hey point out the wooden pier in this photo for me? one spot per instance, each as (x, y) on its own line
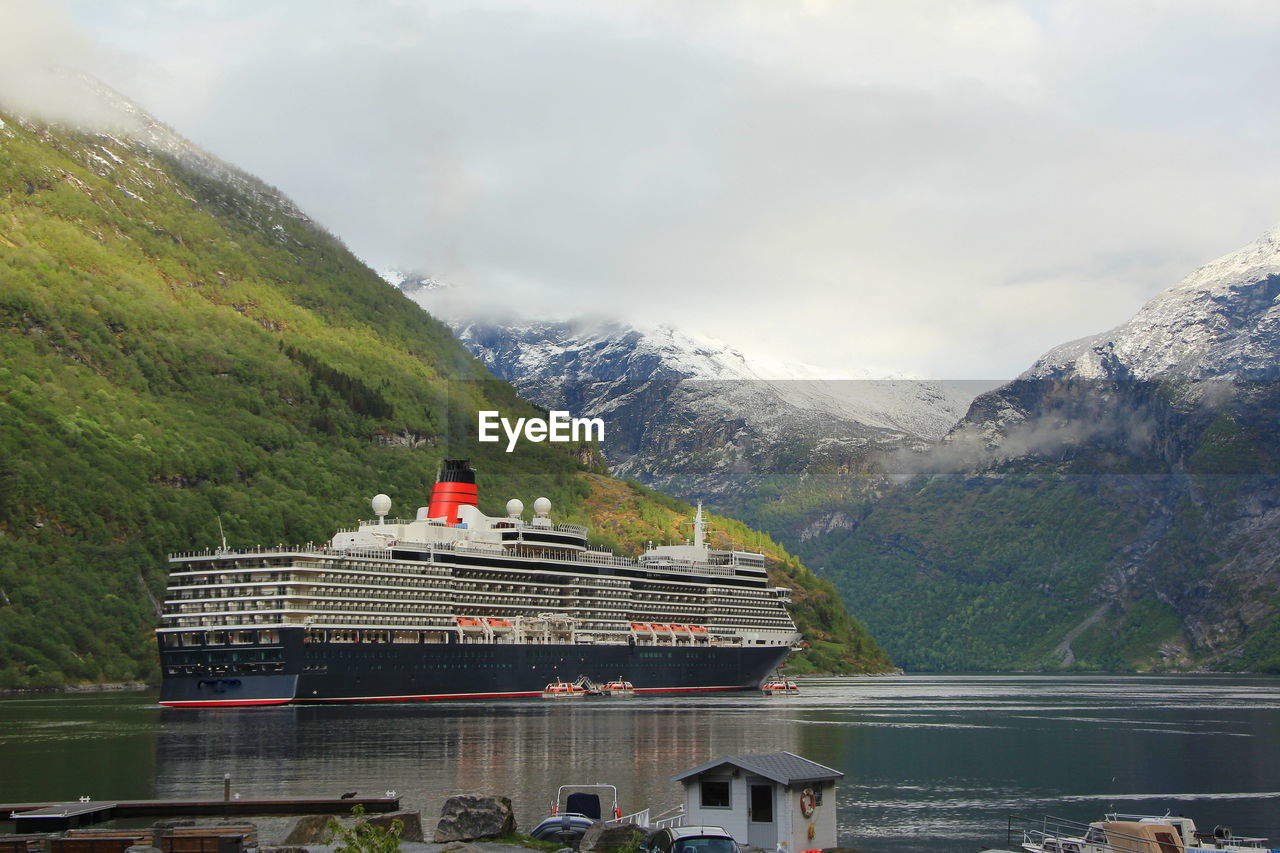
(58, 817)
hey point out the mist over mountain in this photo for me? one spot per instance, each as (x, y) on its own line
(697, 418)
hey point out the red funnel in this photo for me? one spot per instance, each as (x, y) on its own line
(455, 488)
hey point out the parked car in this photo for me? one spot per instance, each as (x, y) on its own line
(691, 839)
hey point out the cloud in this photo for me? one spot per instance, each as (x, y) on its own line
(939, 188)
(41, 51)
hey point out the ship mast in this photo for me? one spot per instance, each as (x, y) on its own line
(699, 528)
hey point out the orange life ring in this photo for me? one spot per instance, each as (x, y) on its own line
(617, 813)
(808, 802)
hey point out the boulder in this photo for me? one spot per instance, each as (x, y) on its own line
(412, 823)
(468, 817)
(308, 829)
(461, 847)
(606, 838)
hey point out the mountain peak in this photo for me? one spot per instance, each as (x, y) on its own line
(1221, 321)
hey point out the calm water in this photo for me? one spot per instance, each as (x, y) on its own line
(932, 762)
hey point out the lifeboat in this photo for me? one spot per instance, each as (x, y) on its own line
(563, 690)
(618, 687)
(779, 686)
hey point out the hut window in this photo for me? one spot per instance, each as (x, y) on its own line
(715, 793)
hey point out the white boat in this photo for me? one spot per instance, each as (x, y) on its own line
(1126, 833)
(1220, 839)
(582, 806)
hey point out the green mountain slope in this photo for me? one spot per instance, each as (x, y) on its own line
(180, 345)
(1150, 546)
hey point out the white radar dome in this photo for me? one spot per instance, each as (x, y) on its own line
(515, 506)
(542, 506)
(381, 505)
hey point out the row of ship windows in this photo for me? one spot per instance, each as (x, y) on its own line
(219, 638)
(507, 610)
(236, 640)
(339, 593)
(538, 577)
(424, 578)
(601, 627)
(669, 614)
(595, 619)
(237, 586)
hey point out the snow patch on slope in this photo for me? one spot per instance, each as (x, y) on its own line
(1221, 321)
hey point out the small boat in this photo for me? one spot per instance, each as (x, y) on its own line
(618, 687)
(582, 807)
(1221, 839)
(1126, 833)
(779, 686)
(563, 690)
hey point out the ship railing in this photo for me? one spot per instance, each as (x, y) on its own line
(676, 565)
(249, 552)
(666, 564)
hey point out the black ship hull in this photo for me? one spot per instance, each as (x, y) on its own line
(298, 672)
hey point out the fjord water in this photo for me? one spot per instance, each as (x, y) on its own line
(933, 762)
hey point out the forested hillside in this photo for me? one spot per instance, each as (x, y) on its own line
(181, 346)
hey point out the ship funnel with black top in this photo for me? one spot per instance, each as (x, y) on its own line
(455, 487)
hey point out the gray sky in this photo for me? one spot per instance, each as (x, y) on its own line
(944, 189)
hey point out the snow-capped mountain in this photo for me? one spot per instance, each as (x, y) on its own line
(1222, 321)
(694, 416)
(1211, 337)
(586, 351)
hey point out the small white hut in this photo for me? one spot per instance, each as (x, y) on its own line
(777, 800)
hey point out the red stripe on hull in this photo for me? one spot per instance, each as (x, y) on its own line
(233, 703)
(226, 703)
(425, 697)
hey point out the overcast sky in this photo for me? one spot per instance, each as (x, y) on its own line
(936, 188)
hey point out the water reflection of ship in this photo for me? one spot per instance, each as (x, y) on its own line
(428, 753)
(634, 745)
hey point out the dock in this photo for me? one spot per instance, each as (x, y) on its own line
(58, 817)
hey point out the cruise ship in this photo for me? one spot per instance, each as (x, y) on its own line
(454, 604)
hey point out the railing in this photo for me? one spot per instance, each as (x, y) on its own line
(673, 817)
(527, 551)
(644, 819)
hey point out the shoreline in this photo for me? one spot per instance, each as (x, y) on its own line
(103, 687)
